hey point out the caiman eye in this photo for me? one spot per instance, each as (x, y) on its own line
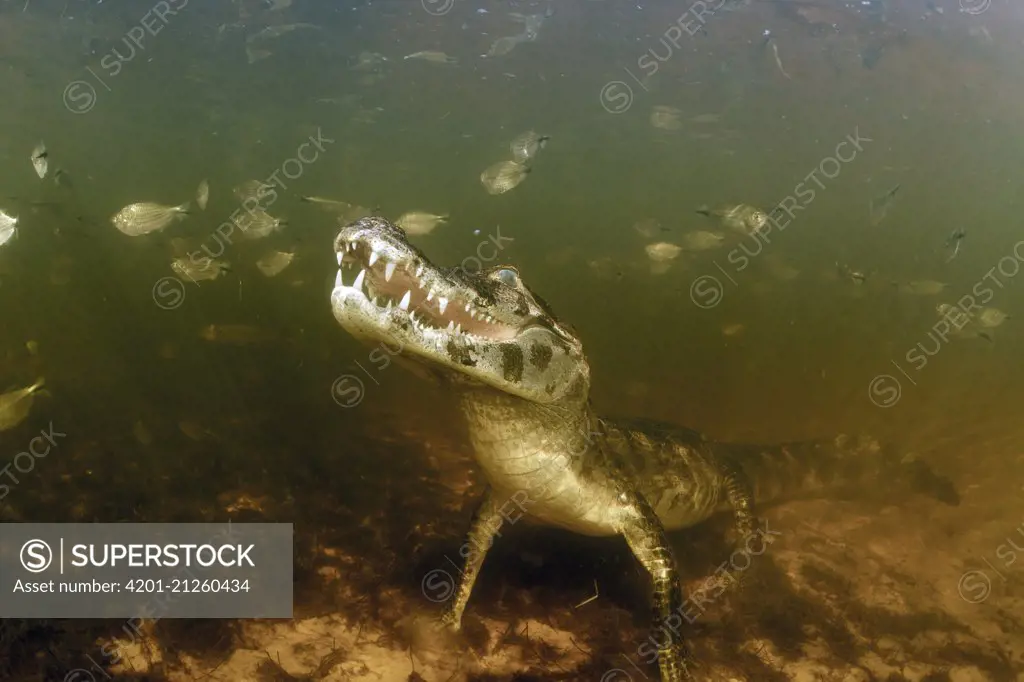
(507, 276)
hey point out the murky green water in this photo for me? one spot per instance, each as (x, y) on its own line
(165, 425)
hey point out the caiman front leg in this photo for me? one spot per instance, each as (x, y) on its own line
(646, 538)
(482, 530)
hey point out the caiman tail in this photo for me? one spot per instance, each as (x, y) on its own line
(857, 465)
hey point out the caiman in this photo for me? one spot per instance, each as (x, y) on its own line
(523, 383)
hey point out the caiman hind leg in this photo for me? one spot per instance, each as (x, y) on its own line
(482, 531)
(740, 494)
(646, 538)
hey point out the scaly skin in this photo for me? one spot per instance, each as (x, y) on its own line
(523, 384)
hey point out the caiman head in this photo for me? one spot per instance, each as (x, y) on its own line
(478, 328)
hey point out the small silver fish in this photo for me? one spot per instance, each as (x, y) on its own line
(419, 222)
(277, 31)
(432, 56)
(345, 211)
(739, 217)
(15, 405)
(955, 238)
(203, 195)
(368, 61)
(503, 46)
(855, 276)
(39, 160)
(666, 118)
(138, 219)
(921, 287)
(254, 55)
(662, 254)
(274, 262)
(8, 227)
(701, 240)
(991, 318)
(525, 147)
(328, 204)
(503, 176)
(649, 227)
(879, 207)
(254, 189)
(258, 224)
(205, 269)
(963, 325)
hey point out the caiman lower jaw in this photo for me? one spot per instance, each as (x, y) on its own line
(402, 288)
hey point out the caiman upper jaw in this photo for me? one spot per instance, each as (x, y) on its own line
(483, 327)
(379, 269)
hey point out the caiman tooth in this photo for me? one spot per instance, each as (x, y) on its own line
(430, 295)
(468, 306)
(341, 258)
(451, 326)
(404, 303)
(458, 328)
(358, 284)
(373, 258)
(338, 282)
(389, 270)
(419, 270)
(442, 303)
